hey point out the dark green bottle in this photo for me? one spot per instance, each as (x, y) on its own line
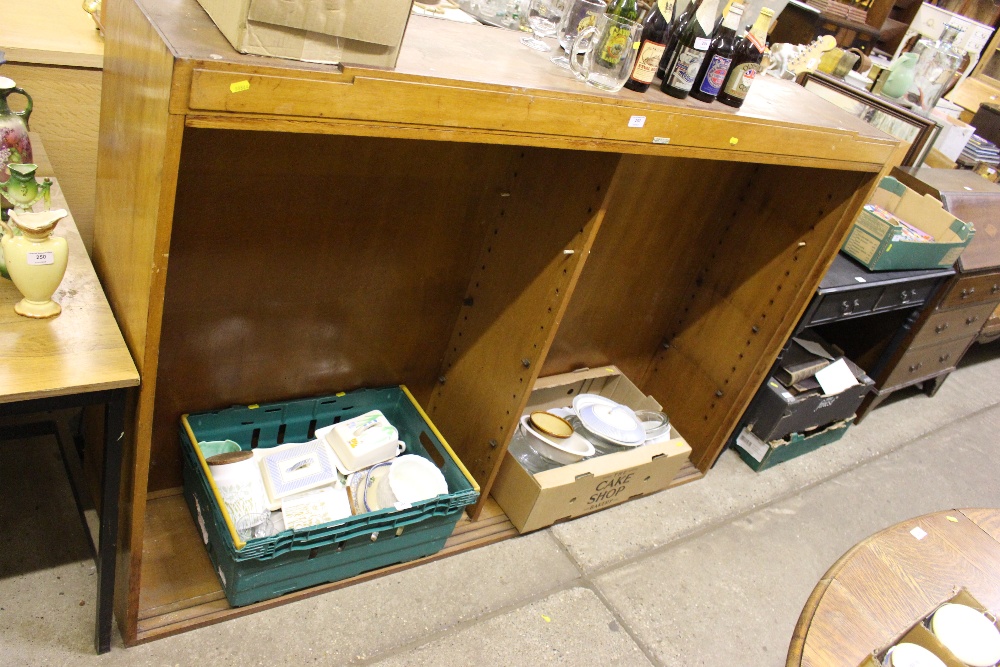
(691, 49)
(673, 35)
(616, 42)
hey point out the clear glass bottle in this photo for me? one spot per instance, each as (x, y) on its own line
(937, 61)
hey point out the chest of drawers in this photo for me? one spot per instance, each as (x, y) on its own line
(956, 316)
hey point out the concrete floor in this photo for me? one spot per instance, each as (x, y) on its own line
(712, 573)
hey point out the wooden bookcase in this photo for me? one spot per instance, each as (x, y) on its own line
(462, 224)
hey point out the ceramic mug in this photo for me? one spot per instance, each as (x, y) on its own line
(238, 479)
(610, 51)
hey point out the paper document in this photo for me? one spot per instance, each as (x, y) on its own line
(814, 348)
(835, 378)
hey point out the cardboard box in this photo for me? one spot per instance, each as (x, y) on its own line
(536, 501)
(919, 634)
(761, 455)
(953, 137)
(870, 240)
(778, 411)
(361, 32)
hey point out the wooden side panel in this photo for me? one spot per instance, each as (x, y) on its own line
(306, 265)
(539, 228)
(67, 114)
(136, 170)
(770, 254)
(651, 245)
(698, 276)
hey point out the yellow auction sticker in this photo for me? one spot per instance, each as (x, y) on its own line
(239, 86)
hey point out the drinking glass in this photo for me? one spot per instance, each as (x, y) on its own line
(543, 18)
(608, 58)
(579, 15)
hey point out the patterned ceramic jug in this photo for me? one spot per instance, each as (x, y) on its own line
(14, 143)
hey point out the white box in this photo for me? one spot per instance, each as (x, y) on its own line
(953, 137)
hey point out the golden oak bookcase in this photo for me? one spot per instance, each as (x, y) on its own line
(462, 224)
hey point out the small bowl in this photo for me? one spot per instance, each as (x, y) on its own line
(210, 448)
(657, 424)
(566, 450)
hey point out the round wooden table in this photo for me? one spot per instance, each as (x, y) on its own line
(889, 581)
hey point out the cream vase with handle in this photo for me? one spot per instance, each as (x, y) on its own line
(36, 260)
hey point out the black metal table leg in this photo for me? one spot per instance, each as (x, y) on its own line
(114, 436)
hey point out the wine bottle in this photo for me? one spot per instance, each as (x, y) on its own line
(673, 34)
(715, 65)
(725, 12)
(616, 41)
(627, 9)
(691, 49)
(746, 61)
(651, 45)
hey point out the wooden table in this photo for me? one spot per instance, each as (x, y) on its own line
(889, 581)
(78, 358)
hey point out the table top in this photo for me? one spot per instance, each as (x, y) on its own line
(81, 350)
(484, 57)
(891, 580)
(847, 274)
(50, 32)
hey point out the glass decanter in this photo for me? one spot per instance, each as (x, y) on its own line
(937, 62)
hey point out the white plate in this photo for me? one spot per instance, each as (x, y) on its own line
(413, 478)
(617, 423)
(583, 400)
(968, 634)
(911, 655)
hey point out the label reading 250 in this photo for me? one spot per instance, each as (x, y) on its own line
(40, 258)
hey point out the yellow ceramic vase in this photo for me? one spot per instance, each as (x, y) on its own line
(35, 260)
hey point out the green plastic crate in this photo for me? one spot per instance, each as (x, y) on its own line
(761, 456)
(264, 568)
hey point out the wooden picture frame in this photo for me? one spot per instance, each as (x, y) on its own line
(916, 130)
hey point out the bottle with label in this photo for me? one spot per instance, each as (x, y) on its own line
(715, 65)
(655, 29)
(616, 41)
(724, 14)
(746, 61)
(676, 29)
(692, 47)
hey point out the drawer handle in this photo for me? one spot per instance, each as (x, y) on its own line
(996, 288)
(945, 358)
(848, 308)
(904, 296)
(970, 320)
(966, 293)
(941, 327)
(916, 367)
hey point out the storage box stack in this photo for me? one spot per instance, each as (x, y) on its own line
(809, 402)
